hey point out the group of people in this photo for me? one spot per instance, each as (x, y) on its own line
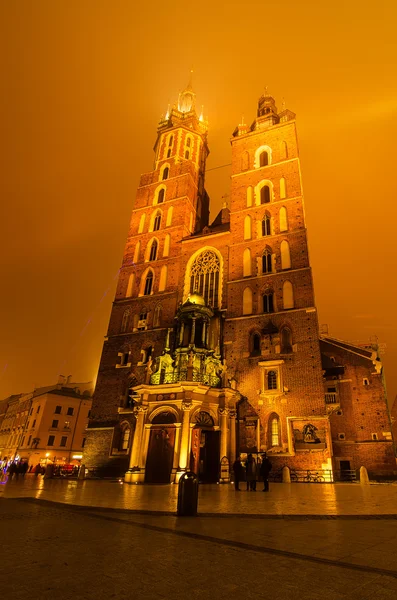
(249, 473)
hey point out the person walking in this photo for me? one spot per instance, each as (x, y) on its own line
(250, 471)
(238, 470)
(37, 470)
(265, 469)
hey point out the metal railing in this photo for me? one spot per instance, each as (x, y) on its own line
(331, 398)
(164, 377)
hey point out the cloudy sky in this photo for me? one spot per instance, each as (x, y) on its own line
(84, 84)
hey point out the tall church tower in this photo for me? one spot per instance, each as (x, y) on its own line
(271, 331)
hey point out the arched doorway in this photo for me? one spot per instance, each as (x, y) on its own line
(161, 448)
(204, 457)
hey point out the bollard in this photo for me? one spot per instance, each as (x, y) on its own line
(286, 475)
(187, 495)
(364, 479)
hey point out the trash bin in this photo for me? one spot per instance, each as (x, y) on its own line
(187, 495)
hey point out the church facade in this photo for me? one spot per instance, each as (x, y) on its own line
(213, 347)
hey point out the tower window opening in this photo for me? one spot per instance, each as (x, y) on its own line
(267, 261)
(204, 277)
(125, 438)
(266, 225)
(256, 344)
(157, 222)
(148, 284)
(171, 141)
(263, 159)
(168, 152)
(272, 381)
(166, 173)
(153, 250)
(142, 323)
(187, 154)
(265, 194)
(286, 341)
(268, 302)
(160, 197)
(188, 142)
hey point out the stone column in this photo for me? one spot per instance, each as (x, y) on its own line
(133, 472)
(177, 444)
(232, 453)
(193, 333)
(203, 334)
(183, 454)
(223, 413)
(181, 332)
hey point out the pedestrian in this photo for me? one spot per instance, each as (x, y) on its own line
(24, 468)
(250, 471)
(12, 470)
(265, 469)
(238, 470)
(37, 469)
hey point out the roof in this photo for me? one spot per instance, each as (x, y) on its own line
(63, 391)
(365, 352)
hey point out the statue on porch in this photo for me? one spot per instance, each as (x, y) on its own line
(309, 434)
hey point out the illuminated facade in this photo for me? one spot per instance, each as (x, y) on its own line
(213, 345)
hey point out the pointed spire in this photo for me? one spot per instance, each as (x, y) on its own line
(186, 98)
(167, 114)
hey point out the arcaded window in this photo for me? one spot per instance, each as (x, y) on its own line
(268, 302)
(272, 380)
(265, 194)
(153, 250)
(267, 261)
(263, 159)
(148, 284)
(266, 224)
(204, 277)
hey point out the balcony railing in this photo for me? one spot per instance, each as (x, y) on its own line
(163, 377)
(331, 398)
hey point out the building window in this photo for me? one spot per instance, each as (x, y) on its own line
(160, 197)
(247, 263)
(266, 225)
(125, 438)
(83, 443)
(58, 410)
(256, 344)
(285, 255)
(263, 159)
(275, 431)
(265, 194)
(268, 302)
(67, 425)
(204, 277)
(283, 221)
(63, 441)
(148, 284)
(29, 440)
(267, 261)
(51, 439)
(34, 423)
(247, 227)
(31, 412)
(168, 152)
(70, 411)
(247, 301)
(157, 222)
(171, 141)
(157, 316)
(286, 340)
(125, 358)
(153, 250)
(38, 410)
(166, 173)
(365, 381)
(288, 295)
(55, 424)
(142, 322)
(125, 322)
(374, 436)
(272, 380)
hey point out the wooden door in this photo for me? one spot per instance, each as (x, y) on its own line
(160, 455)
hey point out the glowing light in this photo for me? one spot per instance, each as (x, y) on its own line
(77, 456)
(47, 454)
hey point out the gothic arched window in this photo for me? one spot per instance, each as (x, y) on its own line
(166, 173)
(125, 438)
(160, 197)
(265, 194)
(256, 344)
(268, 302)
(204, 277)
(267, 261)
(263, 159)
(266, 224)
(153, 250)
(148, 284)
(275, 432)
(286, 340)
(157, 222)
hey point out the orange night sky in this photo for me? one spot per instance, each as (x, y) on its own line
(83, 87)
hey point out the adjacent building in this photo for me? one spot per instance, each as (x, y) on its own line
(47, 425)
(213, 346)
